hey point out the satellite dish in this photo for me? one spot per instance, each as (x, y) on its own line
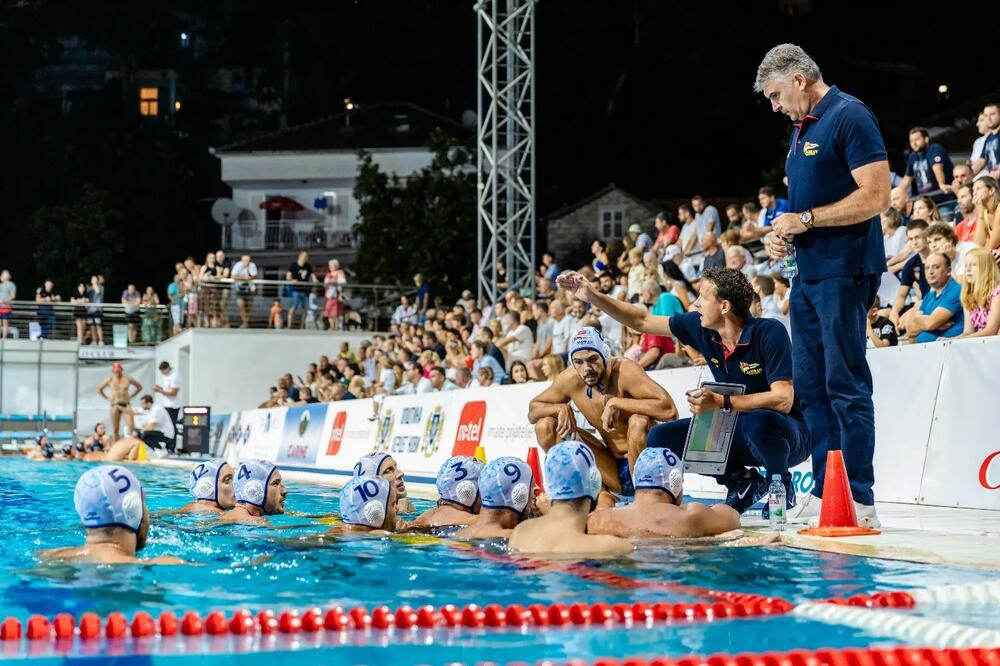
(225, 211)
(469, 118)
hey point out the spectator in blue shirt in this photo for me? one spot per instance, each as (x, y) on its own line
(481, 359)
(549, 269)
(706, 216)
(771, 206)
(423, 302)
(838, 183)
(928, 167)
(912, 275)
(940, 312)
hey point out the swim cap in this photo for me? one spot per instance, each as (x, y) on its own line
(571, 472)
(590, 338)
(203, 484)
(250, 484)
(48, 450)
(80, 447)
(370, 464)
(116, 367)
(457, 480)
(659, 469)
(67, 449)
(109, 496)
(364, 500)
(505, 483)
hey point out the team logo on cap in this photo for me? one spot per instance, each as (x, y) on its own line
(432, 432)
(383, 435)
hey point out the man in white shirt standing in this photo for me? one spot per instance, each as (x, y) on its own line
(243, 273)
(518, 343)
(562, 329)
(157, 428)
(170, 390)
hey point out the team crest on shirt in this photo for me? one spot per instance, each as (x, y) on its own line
(715, 361)
(810, 149)
(750, 368)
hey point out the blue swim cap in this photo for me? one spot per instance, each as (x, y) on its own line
(571, 472)
(370, 464)
(109, 496)
(659, 469)
(589, 338)
(505, 483)
(252, 478)
(364, 500)
(203, 484)
(458, 480)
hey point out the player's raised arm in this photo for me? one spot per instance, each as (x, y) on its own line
(632, 316)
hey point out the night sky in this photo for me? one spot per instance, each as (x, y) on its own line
(655, 96)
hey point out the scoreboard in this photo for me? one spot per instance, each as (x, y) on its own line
(195, 426)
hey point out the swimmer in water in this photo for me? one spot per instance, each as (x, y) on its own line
(617, 398)
(126, 448)
(458, 486)
(112, 506)
(43, 451)
(384, 465)
(573, 481)
(211, 485)
(367, 504)
(507, 488)
(259, 492)
(657, 509)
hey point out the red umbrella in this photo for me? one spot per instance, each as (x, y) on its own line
(280, 203)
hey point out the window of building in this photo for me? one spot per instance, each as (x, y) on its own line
(612, 221)
(149, 104)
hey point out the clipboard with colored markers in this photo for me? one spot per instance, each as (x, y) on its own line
(710, 436)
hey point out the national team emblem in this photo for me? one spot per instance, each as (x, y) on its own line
(810, 149)
(750, 368)
(384, 433)
(432, 432)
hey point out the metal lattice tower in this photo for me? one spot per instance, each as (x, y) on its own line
(506, 143)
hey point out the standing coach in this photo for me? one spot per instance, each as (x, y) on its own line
(838, 183)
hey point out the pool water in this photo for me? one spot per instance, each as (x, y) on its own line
(288, 566)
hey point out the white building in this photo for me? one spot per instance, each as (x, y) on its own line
(293, 189)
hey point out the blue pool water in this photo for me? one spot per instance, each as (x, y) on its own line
(288, 567)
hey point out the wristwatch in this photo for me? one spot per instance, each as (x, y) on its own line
(727, 403)
(806, 219)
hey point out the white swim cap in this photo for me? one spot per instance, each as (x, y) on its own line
(252, 478)
(203, 483)
(505, 483)
(364, 500)
(370, 464)
(109, 496)
(658, 468)
(571, 472)
(458, 480)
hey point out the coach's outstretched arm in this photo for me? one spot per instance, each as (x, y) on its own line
(633, 316)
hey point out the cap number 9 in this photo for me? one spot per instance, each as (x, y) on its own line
(511, 470)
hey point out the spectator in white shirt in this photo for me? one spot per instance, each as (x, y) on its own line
(770, 306)
(243, 273)
(405, 312)
(169, 391)
(439, 381)
(976, 159)
(414, 381)
(518, 342)
(562, 328)
(737, 260)
(158, 428)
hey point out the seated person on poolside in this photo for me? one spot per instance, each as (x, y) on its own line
(740, 349)
(259, 492)
(384, 465)
(211, 485)
(112, 507)
(126, 448)
(657, 509)
(44, 450)
(458, 486)
(507, 488)
(367, 504)
(573, 481)
(98, 441)
(615, 395)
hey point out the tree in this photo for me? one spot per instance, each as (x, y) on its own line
(79, 238)
(426, 225)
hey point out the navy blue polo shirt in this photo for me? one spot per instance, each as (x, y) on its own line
(838, 136)
(762, 356)
(913, 274)
(991, 150)
(919, 167)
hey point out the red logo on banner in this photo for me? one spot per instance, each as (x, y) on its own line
(470, 428)
(337, 434)
(985, 468)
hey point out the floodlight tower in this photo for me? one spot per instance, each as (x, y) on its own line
(506, 143)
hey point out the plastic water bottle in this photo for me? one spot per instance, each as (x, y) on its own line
(776, 503)
(789, 266)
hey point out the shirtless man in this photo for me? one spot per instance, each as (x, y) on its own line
(112, 508)
(507, 487)
(367, 504)
(259, 492)
(384, 465)
(615, 395)
(573, 481)
(126, 448)
(458, 486)
(211, 485)
(657, 510)
(98, 441)
(120, 398)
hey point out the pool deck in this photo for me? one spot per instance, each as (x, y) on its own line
(911, 532)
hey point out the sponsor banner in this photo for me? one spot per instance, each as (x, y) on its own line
(963, 466)
(348, 434)
(218, 435)
(254, 434)
(414, 429)
(302, 434)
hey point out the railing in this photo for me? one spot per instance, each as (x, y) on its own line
(88, 323)
(312, 234)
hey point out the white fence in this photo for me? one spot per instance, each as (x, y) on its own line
(936, 440)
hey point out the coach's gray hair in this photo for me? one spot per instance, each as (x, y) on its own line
(782, 62)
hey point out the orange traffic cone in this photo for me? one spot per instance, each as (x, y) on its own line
(837, 517)
(536, 467)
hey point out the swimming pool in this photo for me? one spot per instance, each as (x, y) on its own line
(288, 567)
